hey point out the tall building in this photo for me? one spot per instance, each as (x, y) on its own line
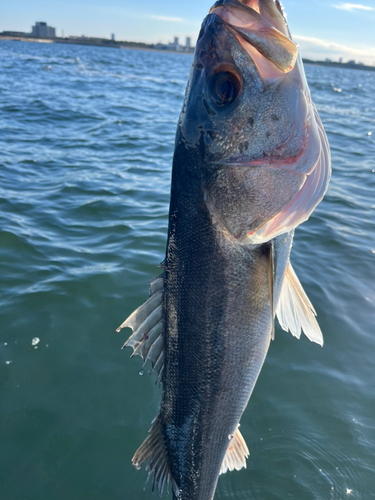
(175, 41)
(42, 30)
(113, 37)
(188, 42)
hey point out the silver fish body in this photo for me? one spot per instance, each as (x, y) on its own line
(219, 323)
(251, 162)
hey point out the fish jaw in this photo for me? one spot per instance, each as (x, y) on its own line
(258, 32)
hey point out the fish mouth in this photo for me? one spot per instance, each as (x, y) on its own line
(262, 31)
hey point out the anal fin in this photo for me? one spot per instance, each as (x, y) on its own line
(295, 311)
(236, 455)
(153, 449)
(147, 325)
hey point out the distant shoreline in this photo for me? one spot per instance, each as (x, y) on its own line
(332, 64)
(95, 42)
(103, 42)
(163, 51)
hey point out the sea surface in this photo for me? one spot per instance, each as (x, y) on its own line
(86, 144)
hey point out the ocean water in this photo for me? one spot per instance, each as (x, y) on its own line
(86, 143)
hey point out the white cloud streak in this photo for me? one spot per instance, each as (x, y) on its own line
(171, 19)
(352, 6)
(332, 45)
(316, 46)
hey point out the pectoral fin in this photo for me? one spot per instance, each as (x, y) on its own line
(295, 311)
(236, 455)
(147, 325)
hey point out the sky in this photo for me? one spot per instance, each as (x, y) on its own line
(322, 28)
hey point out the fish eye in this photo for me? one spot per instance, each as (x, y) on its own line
(224, 88)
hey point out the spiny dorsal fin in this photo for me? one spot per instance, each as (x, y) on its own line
(153, 448)
(236, 455)
(295, 311)
(147, 325)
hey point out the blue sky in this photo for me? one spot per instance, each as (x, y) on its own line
(322, 28)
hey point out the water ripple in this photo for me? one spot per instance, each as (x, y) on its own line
(86, 148)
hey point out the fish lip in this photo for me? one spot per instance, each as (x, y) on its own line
(238, 4)
(232, 3)
(273, 160)
(261, 35)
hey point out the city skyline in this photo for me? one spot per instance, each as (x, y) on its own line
(322, 30)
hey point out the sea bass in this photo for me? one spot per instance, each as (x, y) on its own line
(251, 162)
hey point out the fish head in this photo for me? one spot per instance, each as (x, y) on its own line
(249, 109)
(242, 104)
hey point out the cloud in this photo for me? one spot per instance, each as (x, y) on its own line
(352, 6)
(317, 48)
(171, 19)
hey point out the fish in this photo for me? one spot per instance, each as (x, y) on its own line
(251, 162)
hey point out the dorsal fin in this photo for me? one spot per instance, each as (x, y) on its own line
(147, 325)
(153, 448)
(236, 455)
(295, 311)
